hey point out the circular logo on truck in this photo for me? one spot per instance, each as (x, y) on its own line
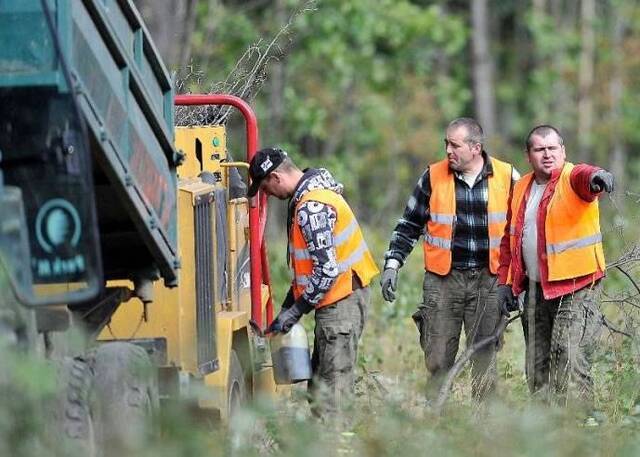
(57, 225)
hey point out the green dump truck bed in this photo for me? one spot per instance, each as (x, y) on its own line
(125, 97)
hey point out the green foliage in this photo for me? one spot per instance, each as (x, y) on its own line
(368, 86)
(26, 384)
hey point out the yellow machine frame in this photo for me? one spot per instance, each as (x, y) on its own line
(172, 314)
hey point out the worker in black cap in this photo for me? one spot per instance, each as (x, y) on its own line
(332, 268)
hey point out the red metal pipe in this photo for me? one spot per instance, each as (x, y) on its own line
(266, 276)
(256, 239)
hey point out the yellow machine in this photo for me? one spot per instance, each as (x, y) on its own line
(199, 333)
(98, 187)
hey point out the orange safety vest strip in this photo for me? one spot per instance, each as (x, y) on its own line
(438, 239)
(352, 253)
(572, 230)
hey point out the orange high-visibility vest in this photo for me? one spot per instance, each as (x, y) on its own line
(352, 253)
(438, 239)
(572, 230)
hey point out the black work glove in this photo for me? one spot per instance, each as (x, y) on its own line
(287, 317)
(601, 180)
(389, 282)
(506, 300)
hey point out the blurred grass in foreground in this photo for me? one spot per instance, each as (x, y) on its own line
(388, 417)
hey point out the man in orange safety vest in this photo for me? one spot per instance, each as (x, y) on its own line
(460, 206)
(332, 268)
(552, 250)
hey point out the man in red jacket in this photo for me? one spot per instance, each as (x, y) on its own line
(552, 250)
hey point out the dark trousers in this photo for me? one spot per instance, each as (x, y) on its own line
(463, 297)
(335, 351)
(560, 335)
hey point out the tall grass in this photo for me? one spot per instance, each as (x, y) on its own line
(388, 416)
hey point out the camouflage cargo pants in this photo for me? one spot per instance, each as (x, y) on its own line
(335, 350)
(463, 297)
(560, 336)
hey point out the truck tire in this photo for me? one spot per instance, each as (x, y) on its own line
(237, 390)
(72, 426)
(125, 398)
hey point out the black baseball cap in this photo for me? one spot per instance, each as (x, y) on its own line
(264, 162)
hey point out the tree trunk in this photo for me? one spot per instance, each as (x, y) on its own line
(619, 154)
(211, 25)
(274, 134)
(171, 24)
(483, 68)
(189, 25)
(539, 7)
(277, 83)
(585, 82)
(563, 104)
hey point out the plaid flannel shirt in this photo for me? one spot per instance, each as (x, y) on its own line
(470, 247)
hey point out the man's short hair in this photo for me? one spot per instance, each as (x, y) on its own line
(475, 134)
(287, 165)
(543, 130)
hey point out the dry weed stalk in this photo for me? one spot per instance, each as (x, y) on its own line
(245, 80)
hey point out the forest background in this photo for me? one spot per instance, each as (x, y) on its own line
(365, 88)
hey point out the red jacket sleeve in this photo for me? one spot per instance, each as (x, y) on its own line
(580, 181)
